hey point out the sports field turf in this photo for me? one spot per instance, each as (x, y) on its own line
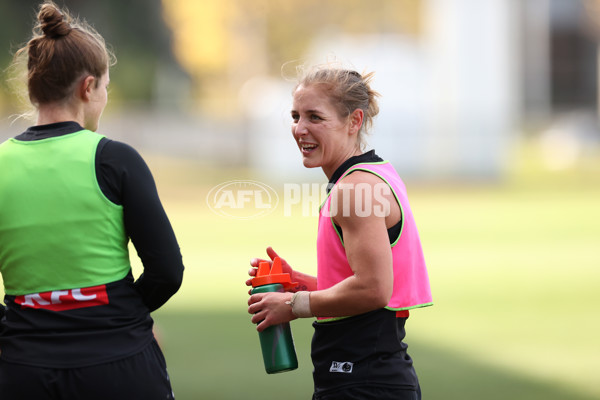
(515, 271)
(514, 267)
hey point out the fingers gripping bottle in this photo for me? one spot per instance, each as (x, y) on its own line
(276, 342)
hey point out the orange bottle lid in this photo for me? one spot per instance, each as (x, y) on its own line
(273, 273)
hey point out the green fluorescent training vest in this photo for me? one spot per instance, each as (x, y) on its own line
(57, 230)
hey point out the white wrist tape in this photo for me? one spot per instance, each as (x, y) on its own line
(301, 305)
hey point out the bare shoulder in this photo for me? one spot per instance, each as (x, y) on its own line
(363, 197)
(360, 176)
(361, 185)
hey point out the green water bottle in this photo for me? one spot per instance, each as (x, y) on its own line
(276, 341)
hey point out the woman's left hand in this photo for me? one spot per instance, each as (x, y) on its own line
(270, 309)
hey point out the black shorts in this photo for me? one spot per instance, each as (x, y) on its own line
(363, 357)
(369, 392)
(142, 376)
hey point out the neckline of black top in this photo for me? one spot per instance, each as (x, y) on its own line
(39, 132)
(367, 157)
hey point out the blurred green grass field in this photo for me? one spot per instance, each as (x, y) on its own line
(514, 267)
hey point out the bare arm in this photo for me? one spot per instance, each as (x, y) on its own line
(367, 249)
(271, 308)
(364, 223)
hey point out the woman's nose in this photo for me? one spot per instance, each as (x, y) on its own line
(300, 128)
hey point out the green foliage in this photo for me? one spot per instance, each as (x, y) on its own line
(216, 355)
(514, 269)
(134, 30)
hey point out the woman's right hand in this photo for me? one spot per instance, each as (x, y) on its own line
(272, 254)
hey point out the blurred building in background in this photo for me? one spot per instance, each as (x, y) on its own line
(477, 76)
(559, 75)
(449, 105)
(461, 80)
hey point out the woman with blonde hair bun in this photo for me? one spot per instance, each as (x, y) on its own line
(76, 324)
(370, 266)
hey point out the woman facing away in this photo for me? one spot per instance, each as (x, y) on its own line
(76, 324)
(370, 265)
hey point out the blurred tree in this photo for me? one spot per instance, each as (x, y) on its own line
(219, 43)
(134, 29)
(293, 24)
(222, 43)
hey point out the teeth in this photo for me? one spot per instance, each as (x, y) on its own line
(308, 146)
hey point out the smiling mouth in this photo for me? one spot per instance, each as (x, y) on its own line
(308, 147)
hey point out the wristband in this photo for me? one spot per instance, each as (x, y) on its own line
(301, 305)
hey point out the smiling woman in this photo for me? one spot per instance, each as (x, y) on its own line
(370, 265)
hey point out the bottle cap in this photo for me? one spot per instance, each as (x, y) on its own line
(269, 274)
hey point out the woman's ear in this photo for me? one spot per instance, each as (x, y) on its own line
(85, 87)
(356, 120)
